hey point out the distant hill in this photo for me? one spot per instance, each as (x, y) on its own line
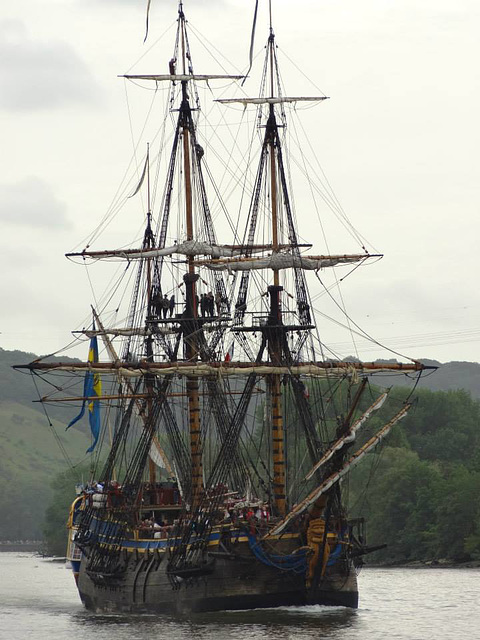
(453, 375)
(23, 388)
(30, 456)
(31, 451)
(449, 376)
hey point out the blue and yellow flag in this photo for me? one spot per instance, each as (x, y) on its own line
(92, 387)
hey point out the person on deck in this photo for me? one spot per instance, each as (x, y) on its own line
(203, 304)
(218, 303)
(157, 303)
(171, 305)
(210, 304)
(165, 305)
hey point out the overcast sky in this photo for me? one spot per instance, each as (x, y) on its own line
(398, 139)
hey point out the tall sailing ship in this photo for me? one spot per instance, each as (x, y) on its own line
(221, 429)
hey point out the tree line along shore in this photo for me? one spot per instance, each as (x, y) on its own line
(419, 491)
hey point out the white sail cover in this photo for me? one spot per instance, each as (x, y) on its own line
(279, 261)
(156, 456)
(238, 368)
(201, 369)
(132, 331)
(277, 100)
(180, 77)
(187, 248)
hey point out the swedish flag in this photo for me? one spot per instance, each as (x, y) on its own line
(92, 389)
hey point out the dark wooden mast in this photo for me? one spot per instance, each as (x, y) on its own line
(190, 280)
(275, 317)
(149, 379)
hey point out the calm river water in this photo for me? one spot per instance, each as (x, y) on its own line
(38, 600)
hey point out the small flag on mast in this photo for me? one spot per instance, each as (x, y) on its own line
(92, 392)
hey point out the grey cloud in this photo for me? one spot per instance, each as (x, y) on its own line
(142, 4)
(133, 3)
(31, 202)
(38, 75)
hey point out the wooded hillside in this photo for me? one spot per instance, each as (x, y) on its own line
(422, 493)
(32, 452)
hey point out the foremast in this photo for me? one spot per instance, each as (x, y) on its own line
(186, 329)
(148, 243)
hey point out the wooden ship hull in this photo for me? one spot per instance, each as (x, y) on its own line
(146, 589)
(239, 567)
(232, 580)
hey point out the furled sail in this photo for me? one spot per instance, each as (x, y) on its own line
(335, 477)
(130, 331)
(180, 77)
(187, 248)
(349, 436)
(277, 100)
(279, 261)
(157, 455)
(220, 369)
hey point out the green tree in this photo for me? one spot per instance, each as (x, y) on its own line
(56, 515)
(458, 514)
(400, 505)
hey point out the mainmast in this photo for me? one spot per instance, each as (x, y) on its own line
(190, 279)
(275, 316)
(164, 335)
